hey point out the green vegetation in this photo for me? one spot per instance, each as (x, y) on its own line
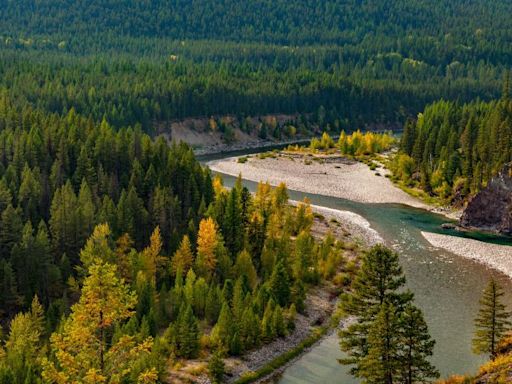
(492, 322)
(366, 63)
(389, 340)
(120, 252)
(357, 144)
(453, 150)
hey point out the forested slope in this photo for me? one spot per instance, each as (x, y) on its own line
(346, 63)
(454, 149)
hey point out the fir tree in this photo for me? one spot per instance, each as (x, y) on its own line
(378, 281)
(381, 364)
(280, 284)
(492, 321)
(216, 368)
(416, 346)
(183, 257)
(187, 333)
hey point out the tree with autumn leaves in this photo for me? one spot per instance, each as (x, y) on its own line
(81, 350)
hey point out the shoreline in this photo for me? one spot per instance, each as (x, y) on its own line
(256, 145)
(343, 179)
(316, 325)
(372, 189)
(494, 256)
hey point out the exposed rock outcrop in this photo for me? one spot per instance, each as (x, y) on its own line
(491, 208)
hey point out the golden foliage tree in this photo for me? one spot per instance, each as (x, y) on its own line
(183, 257)
(152, 261)
(207, 241)
(80, 348)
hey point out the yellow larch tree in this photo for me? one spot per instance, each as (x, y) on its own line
(183, 258)
(81, 346)
(207, 241)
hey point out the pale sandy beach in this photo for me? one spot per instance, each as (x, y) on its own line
(498, 257)
(348, 180)
(353, 223)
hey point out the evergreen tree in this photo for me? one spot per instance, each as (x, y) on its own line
(378, 282)
(207, 241)
(213, 303)
(224, 329)
(80, 346)
(280, 284)
(183, 257)
(381, 364)
(233, 230)
(416, 346)
(187, 333)
(216, 368)
(244, 268)
(492, 321)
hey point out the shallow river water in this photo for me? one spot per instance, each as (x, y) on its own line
(446, 287)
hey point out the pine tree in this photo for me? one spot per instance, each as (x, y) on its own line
(64, 222)
(224, 329)
(381, 364)
(183, 257)
(280, 284)
(244, 268)
(278, 324)
(187, 333)
(216, 368)
(233, 230)
(80, 347)
(200, 297)
(378, 281)
(416, 346)
(86, 212)
(11, 227)
(207, 241)
(213, 303)
(153, 262)
(267, 331)
(250, 329)
(492, 321)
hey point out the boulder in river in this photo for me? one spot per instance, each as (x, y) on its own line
(491, 208)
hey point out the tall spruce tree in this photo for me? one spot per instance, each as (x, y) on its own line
(416, 346)
(377, 282)
(492, 321)
(389, 341)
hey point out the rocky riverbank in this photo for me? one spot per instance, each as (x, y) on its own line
(498, 257)
(334, 176)
(491, 208)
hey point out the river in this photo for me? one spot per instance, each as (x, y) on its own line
(446, 287)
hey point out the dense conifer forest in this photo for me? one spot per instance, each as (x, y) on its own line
(120, 253)
(366, 62)
(452, 150)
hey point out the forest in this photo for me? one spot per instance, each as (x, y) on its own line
(367, 63)
(452, 150)
(122, 258)
(120, 252)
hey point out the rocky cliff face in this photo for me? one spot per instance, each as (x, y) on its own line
(491, 209)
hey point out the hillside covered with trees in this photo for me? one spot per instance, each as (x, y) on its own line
(119, 252)
(453, 150)
(365, 63)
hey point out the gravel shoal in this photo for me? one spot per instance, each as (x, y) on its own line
(349, 180)
(498, 257)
